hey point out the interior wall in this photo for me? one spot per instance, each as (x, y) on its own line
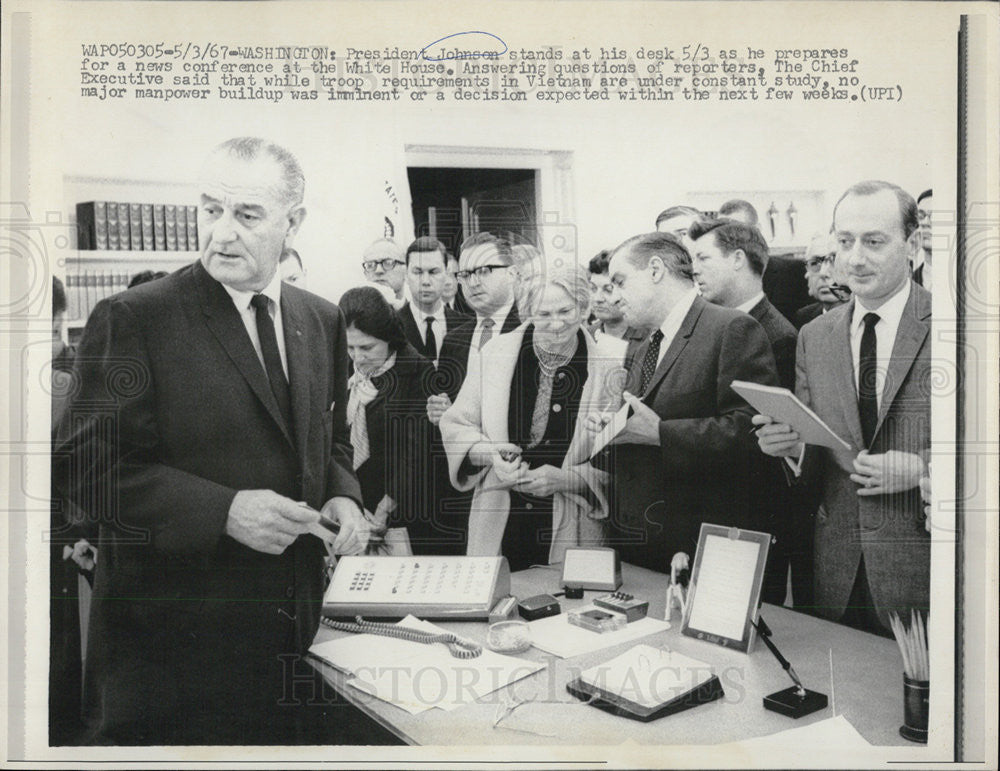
(628, 164)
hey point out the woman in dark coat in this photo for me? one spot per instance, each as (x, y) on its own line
(387, 414)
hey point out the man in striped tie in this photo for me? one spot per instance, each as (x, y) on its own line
(684, 455)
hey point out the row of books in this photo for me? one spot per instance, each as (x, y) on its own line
(84, 290)
(109, 225)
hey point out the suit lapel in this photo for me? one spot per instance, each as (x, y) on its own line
(677, 345)
(839, 355)
(299, 371)
(410, 328)
(512, 322)
(224, 322)
(913, 330)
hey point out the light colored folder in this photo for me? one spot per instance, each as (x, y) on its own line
(785, 407)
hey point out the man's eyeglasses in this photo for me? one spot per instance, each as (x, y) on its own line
(815, 264)
(387, 264)
(481, 272)
(923, 215)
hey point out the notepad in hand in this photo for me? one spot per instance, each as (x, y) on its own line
(646, 683)
(785, 407)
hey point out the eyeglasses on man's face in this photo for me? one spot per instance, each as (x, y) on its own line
(480, 273)
(815, 264)
(387, 264)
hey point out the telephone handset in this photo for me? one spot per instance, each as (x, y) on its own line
(460, 649)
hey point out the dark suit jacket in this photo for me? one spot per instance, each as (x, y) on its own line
(413, 333)
(782, 336)
(399, 434)
(804, 315)
(174, 416)
(888, 530)
(785, 284)
(453, 359)
(699, 472)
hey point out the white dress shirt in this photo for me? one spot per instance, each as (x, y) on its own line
(248, 316)
(672, 323)
(439, 325)
(890, 313)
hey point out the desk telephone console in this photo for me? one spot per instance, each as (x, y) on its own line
(453, 588)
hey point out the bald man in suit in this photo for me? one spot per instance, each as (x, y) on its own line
(864, 368)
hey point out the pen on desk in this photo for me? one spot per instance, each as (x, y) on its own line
(765, 635)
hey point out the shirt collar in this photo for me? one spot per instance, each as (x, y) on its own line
(891, 311)
(750, 304)
(419, 316)
(676, 316)
(241, 298)
(499, 316)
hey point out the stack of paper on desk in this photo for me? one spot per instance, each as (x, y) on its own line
(557, 636)
(416, 676)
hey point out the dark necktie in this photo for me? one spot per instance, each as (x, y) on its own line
(430, 342)
(487, 332)
(867, 373)
(272, 359)
(650, 361)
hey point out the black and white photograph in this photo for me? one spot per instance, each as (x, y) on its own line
(566, 384)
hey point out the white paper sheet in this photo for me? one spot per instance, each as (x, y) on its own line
(418, 677)
(614, 427)
(557, 636)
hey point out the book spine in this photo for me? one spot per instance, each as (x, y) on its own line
(146, 222)
(192, 228)
(86, 226)
(124, 235)
(135, 226)
(170, 219)
(182, 235)
(159, 228)
(113, 233)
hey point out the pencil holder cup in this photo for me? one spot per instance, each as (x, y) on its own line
(916, 695)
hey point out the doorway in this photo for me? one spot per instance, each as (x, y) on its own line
(453, 203)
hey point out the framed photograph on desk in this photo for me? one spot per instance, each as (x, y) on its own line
(725, 586)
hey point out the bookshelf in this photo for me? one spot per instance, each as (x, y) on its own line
(92, 275)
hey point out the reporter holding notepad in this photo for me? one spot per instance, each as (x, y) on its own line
(864, 368)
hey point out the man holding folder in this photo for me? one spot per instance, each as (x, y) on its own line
(684, 456)
(864, 369)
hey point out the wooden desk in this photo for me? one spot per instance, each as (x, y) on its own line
(866, 687)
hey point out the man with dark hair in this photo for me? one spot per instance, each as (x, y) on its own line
(488, 277)
(783, 282)
(207, 434)
(426, 319)
(678, 220)
(741, 211)
(729, 263)
(681, 459)
(291, 268)
(605, 304)
(864, 368)
(922, 262)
